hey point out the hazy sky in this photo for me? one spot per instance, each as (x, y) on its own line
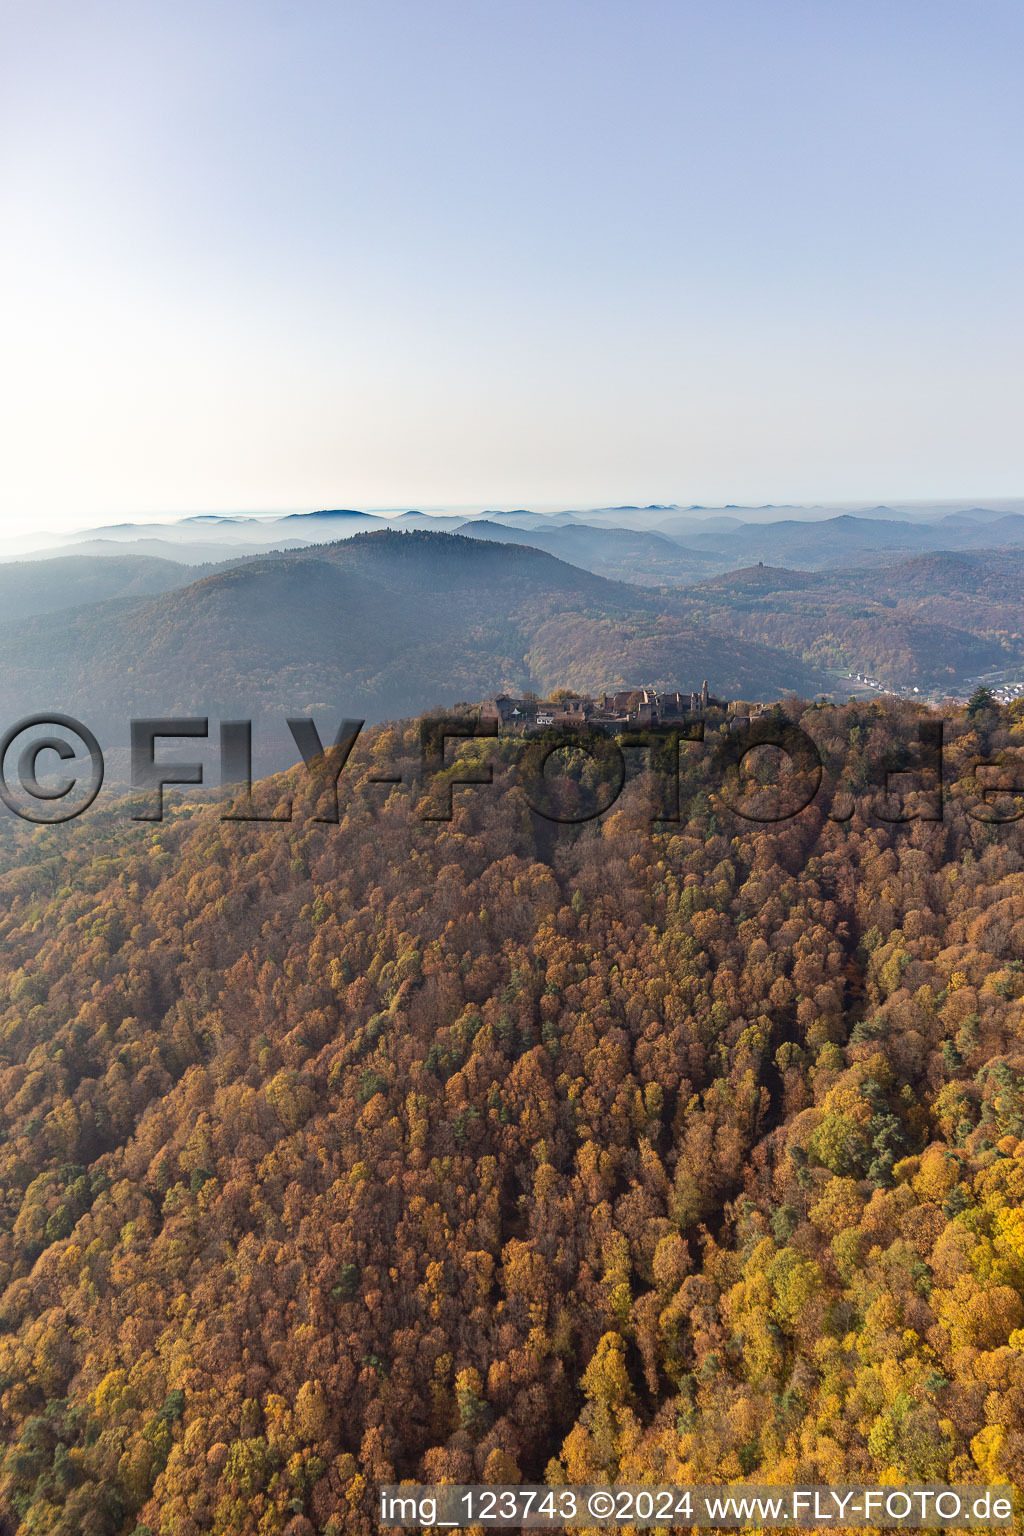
(499, 252)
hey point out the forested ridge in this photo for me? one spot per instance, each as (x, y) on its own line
(397, 622)
(486, 1150)
(932, 620)
(386, 623)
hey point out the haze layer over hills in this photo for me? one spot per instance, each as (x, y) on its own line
(728, 537)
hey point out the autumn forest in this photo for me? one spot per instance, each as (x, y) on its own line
(486, 1150)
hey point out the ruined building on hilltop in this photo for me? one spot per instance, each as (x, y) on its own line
(629, 707)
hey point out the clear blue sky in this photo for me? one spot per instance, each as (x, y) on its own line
(474, 252)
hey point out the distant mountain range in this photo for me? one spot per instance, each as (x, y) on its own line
(648, 546)
(624, 554)
(848, 540)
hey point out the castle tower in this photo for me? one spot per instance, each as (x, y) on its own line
(704, 695)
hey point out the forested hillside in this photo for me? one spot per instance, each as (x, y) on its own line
(380, 625)
(32, 587)
(930, 621)
(484, 1149)
(400, 620)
